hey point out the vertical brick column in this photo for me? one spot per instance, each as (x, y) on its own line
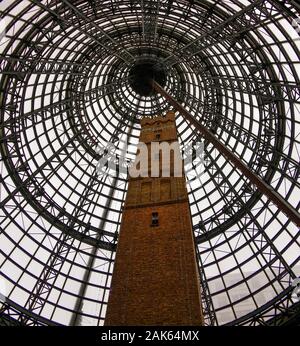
(155, 279)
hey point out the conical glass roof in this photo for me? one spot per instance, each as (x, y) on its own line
(66, 91)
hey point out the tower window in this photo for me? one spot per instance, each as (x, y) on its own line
(154, 220)
(157, 136)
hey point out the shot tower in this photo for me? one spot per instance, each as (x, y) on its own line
(155, 279)
(76, 75)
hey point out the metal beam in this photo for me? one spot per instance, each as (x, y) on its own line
(150, 10)
(219, 28)
(264, 188)
(255, 14)
(75, 319)
(24, 65)
(123, 55)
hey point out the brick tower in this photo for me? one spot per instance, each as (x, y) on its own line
(155, 279)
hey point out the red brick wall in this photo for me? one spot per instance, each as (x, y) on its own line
(155, 279)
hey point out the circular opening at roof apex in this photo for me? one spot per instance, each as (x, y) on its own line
(142, 73)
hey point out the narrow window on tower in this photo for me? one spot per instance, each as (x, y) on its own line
(157, 136)
(154, 220)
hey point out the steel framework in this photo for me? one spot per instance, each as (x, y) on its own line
(65, 91)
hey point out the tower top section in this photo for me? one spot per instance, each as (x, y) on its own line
(170, 116)
(160, 128)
